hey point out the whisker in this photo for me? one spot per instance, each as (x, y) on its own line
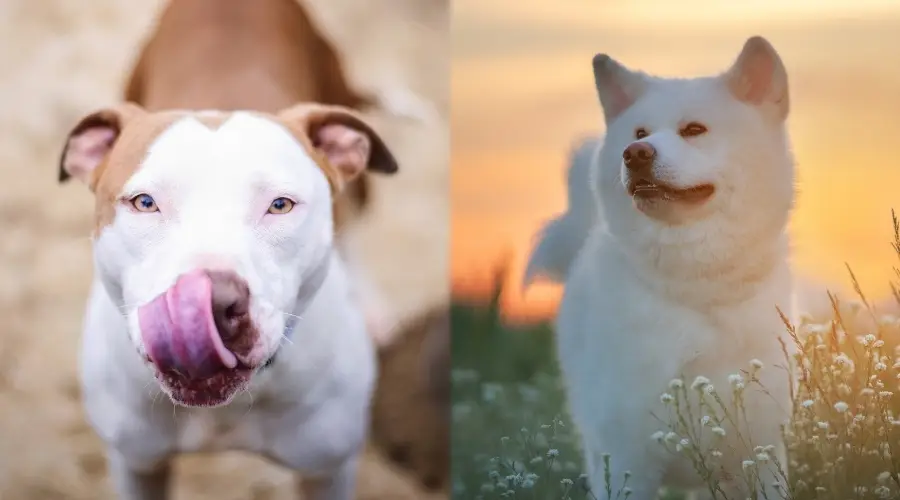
(284, 337)
(252, 401)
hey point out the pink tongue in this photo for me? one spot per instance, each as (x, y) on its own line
(179, 332)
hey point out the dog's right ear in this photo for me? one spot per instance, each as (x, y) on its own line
(91, 139)
(617, 86)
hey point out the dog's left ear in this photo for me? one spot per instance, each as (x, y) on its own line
(758, 78)
(343, 137)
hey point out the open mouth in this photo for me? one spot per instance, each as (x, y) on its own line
(658, 191)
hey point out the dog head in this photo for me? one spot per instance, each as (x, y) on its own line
(683, 157)
(212, 228)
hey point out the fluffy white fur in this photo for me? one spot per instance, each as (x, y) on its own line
(674, 289)
(308, 410)
(561, 238)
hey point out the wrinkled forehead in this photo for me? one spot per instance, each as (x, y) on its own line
(229, 152)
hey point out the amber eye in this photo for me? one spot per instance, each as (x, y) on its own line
(640, 133)
(281, 206)
(144, 203)
(692, 129)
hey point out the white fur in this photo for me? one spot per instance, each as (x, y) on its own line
(561, 238)
(309, 409)
(649, 299)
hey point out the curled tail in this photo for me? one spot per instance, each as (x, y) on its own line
(560, 239)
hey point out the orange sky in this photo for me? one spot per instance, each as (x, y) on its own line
(523, 90)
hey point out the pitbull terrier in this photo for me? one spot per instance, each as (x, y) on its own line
(213, 253)
(263, 55)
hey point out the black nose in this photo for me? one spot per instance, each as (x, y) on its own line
(230, 303)
(639, 156)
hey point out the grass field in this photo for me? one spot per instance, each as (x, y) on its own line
(512, 438)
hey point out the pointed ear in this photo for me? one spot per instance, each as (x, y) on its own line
(349, 144)
(617, 86)
(758, 78)
(91, 139)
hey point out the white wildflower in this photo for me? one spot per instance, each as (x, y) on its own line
(675, 384)
(757, 364)
(658, 436)
(808, 403)
(841, 406)
(699, 383)
(666, 398)
(718, 431)
(746, 464)
(735, 378)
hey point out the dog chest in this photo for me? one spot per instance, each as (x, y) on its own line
(213, 430)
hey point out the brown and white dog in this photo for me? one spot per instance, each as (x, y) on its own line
(263, 55)
(214, 250)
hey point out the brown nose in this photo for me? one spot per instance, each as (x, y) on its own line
(639, 156)
(230, 303)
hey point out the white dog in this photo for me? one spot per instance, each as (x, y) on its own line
(682, 273)
(217, 290)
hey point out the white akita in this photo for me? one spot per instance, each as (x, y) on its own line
(682, 275)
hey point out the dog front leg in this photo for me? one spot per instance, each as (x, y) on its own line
(136, 484)
(338, 485)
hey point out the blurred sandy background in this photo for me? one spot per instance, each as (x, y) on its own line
(61, 59)
(523, 90)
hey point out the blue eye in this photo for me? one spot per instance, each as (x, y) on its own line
(144, 203)
(281, 206)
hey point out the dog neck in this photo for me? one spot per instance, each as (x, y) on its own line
(706, 274)
(308, 291)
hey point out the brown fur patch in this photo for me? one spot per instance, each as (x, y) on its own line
(123, 160)
(137, 129)
(410, 410)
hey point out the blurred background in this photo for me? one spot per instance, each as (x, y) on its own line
(523, 91)
(60, 60)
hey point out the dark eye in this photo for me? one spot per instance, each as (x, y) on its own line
(281, 206)
(640, 133)
(144, 203)
(692, 129)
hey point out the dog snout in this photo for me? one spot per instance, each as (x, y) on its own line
(639, 156)
(230, 303)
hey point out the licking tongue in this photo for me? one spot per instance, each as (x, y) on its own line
(179, 331)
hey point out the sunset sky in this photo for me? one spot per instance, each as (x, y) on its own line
(523, 90)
